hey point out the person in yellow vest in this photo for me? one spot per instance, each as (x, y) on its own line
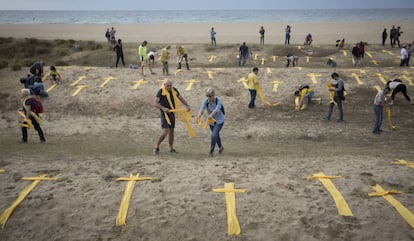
(143, 56)
(304, 95)
(182, 54)
(167, 101)
(54, 76)
(165, 56)
(252, 84)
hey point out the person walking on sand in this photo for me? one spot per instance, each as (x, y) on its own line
(142, 53)
(356, 54)
(252, 83)
(384, 36)
(403, 56)
(287, 34)
(119, 53)
(262, 35)
(379, 103)
(165, 56)
(243, 54)
(166, 100)
(215, 112)
(182, 54)
(213, 36)
(338, 89)
(31, 115)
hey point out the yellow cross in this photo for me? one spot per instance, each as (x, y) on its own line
(404, 163)
(388, 52)
(263, 61)
(342, 206)
(244, 82)
(78, 80)
(274, 58)
(408, 79)
(275, 85)
(369, 54)
(210, 74)
(377, 87)
(403, 211)
(211, 58)
(313, 76)
(344, 52)
(106, 81)
(374, 62)
(256, 56)
(190, 83)
(64, 67)
(381, 77)
(22, 195)
(299, 47)
(123, 208)
(268, 70)
(233, 226)
(79, 88)
(177, 71)
(307, 59)
(2, 171)
(359, 81)
(51, 88)
(89, 68)
(138, 83)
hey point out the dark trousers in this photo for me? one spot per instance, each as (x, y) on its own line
(253, 94)
(117, 60)
(400, 88)
(36, 127)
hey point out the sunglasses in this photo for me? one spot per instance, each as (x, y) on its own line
(209, 95)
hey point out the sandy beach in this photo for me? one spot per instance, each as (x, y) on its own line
(323, 32)
(98, 130)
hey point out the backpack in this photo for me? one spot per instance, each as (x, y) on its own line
(222, 107)
(37, 106)
(305, 86)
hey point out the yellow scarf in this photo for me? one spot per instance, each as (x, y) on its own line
(182, 114)
(261, 96)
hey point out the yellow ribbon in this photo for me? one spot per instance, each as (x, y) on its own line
(331, 89)
(388, 113)
(261, 96)
(22, 195)
(2, 171)
(26, 122)
(123, 208)
(180, 112)
(403, 211)
(341, 204)
(404, 163)
(233, 226)
(206, 123)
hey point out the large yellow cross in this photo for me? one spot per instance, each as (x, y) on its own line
(313, 76)
(138, 83)
(190, 83)
(123, 208)
(106, 81)
(356, 77)
(8, 212)
(78, 80)
(79, 88)
(233, 226)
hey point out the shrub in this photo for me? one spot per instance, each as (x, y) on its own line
(27, 62)
(3, 64)
(61, 63)
(16, 67)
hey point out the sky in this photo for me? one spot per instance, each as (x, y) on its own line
(198, 4)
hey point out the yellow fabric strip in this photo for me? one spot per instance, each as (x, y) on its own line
(342, 206)
(331, 93)
(388, 113)
(2, 171)
(384, 193)
(233, 226)
(123, 208)
(403, 211)
(51, 88)
(37, 118)
(206, 123)
(321, 176)
(26, 122)
(404, 163)
(261, 97)
(22, 195)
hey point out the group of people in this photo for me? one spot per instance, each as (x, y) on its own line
(110, 35)
(358, 52)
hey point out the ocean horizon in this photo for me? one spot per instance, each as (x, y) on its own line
(202, 16)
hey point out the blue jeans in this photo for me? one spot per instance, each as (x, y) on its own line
(253, 94)
(215, 136)
(341, 111)
(242, 60)
(379, 113)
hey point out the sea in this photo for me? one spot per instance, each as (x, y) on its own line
(203, 16)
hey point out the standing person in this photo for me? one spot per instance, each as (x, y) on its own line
(37, 69)
(404, 56)
(253, 83)
(356, 54)
(213, 36)
(112, 35)
(409, 51)
(398, 86)
(384, 36)
(165, 56)
(119, 53)
(31, 115)
(142, 53)
(166, 100)
(182, 54)
(287, 34)
(397, 35)
(243, 54)
(338, 89)
(215, 111)
(393, 31)
(262, 35)
(379, 103)
(108, 36)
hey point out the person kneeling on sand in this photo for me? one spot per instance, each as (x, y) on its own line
(305, 92)
(290, 58)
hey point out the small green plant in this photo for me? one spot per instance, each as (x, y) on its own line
(16, 67)
(3, 64)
